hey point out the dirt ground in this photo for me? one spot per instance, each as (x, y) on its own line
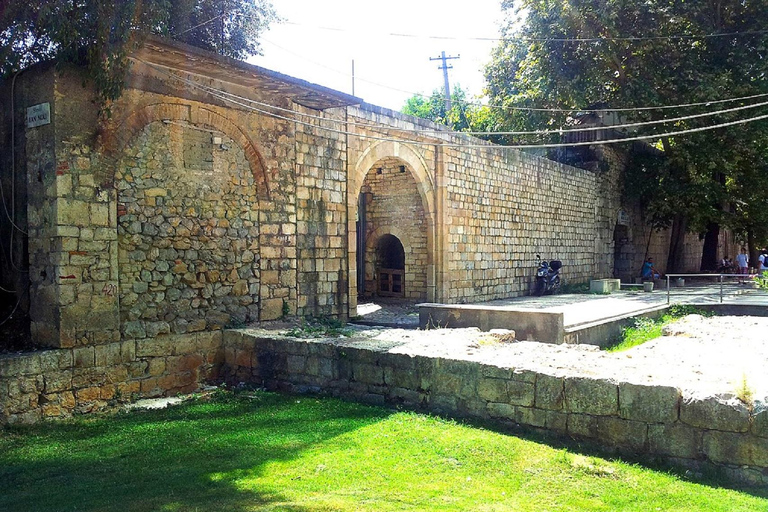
(701, 356)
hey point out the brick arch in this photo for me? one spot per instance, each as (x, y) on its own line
(115, 140)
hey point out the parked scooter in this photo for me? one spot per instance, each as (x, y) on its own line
(547, 276)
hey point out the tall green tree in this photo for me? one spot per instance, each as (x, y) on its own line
(100, 34)
(463, 116)
(576, 54)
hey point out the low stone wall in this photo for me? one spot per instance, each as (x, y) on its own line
(641, 420)
(61, 382)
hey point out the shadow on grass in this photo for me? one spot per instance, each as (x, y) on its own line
(190, 457)
(707, 476)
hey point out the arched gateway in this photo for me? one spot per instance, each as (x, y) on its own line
(391, 204)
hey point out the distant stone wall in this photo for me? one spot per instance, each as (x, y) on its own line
(652, 421)
(58, 383)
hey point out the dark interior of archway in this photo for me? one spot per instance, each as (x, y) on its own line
(391, 253)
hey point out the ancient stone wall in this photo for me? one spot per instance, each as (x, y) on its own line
(490, 210)
(393, 207)
(61, 382)
(657, 422)
(321, 212)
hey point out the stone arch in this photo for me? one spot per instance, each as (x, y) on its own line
(394, 231)
(115, 139)
(419, 169)
(416, 164)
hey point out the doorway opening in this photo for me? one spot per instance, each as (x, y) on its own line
(390, 259)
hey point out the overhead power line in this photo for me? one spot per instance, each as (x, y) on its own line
(486, 145)
(448, 131)
(537, 39)
(528, 109)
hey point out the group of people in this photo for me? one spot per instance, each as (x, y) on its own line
(726, 265)
(742, 260)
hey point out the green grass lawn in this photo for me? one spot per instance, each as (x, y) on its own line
(263, 451)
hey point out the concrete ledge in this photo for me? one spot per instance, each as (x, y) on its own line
(604, 285)
(529, 325)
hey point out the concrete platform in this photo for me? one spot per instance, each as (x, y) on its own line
(588, 319)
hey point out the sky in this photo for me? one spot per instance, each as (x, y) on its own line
(319, 39)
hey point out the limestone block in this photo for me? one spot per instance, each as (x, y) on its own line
(625, 434)
(591, 396)
(492, 390)
(501, 410)
(760, 419)
(15, 365)
(369, 374)
(651, 404)
(722, 412)
(734, 448)
(398, 377)
(675, 440)
(57, 381)
(549, 392)
(582, 425)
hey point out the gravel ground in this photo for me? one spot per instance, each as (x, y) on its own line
(701, 356)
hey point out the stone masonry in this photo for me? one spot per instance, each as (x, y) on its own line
(639, 419)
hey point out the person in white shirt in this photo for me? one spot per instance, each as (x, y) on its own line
(763, 261)
(742, 259)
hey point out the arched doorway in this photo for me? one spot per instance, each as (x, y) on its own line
(390, 267)
(393, 233)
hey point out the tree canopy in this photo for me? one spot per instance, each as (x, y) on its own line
(100, 34)
(580, 54)
(463, 116)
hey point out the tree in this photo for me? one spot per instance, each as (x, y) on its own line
(624, 54)
(463, 116)
(100, 34)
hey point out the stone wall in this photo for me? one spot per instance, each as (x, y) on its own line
(490, 210)
(641, 420)
(321, 212)
(61, 382)
(188, 236)
(394, 207)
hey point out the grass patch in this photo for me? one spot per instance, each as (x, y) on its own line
(642, 329)
(261, 451)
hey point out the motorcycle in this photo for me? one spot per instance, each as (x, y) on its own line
(547, 276)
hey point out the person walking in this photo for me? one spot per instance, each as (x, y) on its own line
(763, 267)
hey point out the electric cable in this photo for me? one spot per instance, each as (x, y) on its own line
(488, 145)
(449, 131)
(538, 39)
(518, 108)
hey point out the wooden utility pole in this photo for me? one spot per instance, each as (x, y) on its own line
(445, 67)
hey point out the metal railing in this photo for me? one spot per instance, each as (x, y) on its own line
(718, 276)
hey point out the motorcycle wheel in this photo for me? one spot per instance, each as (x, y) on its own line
(556, 285)
(541, 287)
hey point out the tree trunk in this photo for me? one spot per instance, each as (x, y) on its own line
(676, 244)
(709, 251)
(752, 246)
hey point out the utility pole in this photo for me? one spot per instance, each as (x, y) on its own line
(445, 67)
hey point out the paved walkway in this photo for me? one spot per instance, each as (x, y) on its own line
(577, 309)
